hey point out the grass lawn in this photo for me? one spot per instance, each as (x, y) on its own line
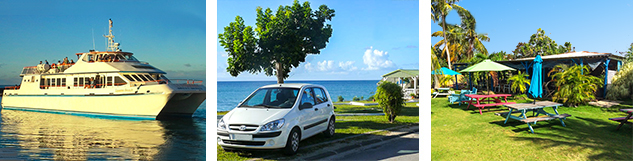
(345, 126)
(460, 134)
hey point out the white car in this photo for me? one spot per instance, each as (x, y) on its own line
(278, 116)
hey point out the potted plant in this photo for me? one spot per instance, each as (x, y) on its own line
(412, 95)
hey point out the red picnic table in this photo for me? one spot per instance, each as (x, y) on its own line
(495, 98)
(623, 120)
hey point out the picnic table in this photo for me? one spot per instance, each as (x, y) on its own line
(492, 99)
(537, 108)
(623, 120)
(438, 91)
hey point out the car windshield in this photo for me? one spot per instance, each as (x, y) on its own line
(272, 98)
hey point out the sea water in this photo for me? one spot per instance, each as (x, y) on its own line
(28, 135)
(231, 93)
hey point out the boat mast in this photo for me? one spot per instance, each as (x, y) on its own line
(112, 46)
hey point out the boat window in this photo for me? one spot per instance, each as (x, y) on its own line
(42, 83)
(142, 77)
(109, 81)
(118, 81)
(63, 82)
(148, 77)
(128, 77)
(136, 77)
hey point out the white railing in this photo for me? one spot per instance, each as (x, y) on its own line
(186, 81)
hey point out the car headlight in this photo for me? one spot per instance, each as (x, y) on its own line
(221, 125)
(273, 125)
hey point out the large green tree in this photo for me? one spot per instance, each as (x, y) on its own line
(439, 11)
(629, 54)
(540, 44)
(280, 42)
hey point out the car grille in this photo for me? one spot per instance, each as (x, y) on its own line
(258, 143)
(236, 127)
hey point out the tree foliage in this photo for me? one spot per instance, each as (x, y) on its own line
(518, 82)
(540, 44)
(279, 43)
(622, 84)
(390, 97)
(629, 54)
(574, 88)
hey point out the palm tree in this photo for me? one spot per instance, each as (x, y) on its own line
(574, 87)
(439, 11)
(519, 81)
(473, 38)
(453, 42)
(435, 65)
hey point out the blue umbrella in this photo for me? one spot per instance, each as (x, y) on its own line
(536, 84)
(446, 71)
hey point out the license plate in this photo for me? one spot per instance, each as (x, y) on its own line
(240, 137)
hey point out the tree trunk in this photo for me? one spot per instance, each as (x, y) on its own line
(448, 54)
(436, 80)
(280, 73)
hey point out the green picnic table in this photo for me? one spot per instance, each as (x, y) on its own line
(537, 108)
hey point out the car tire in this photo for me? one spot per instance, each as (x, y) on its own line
(292, 145)
(329, 132)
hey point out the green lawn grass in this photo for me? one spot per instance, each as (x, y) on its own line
(346, 126)
(461, 134)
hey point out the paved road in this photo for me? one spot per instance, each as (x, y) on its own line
(397, 149)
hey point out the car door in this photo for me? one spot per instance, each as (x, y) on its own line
(308, 115)
(323, 107)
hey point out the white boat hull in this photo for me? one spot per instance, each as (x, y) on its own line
(144, 106)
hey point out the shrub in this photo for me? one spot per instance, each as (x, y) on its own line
(389, 96)
(622, 84)
(371, 98)
(355, 99)
(519, 81)
(574, 88)
(340, 98)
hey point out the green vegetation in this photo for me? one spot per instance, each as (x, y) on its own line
(346, 126)
(460, 134)
(279, 43)
(622, 84)
(389, 97)
(355, 99)
(540, 44)
(519, 81)
(574, 84)
(341, 99)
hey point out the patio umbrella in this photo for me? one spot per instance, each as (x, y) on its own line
(445, 71)
(536, 83)
(487, 65)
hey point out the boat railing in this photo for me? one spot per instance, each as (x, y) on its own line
(186, 81)
(12, 87)
(42, 68)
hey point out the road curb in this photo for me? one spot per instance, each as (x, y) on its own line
(358, 145)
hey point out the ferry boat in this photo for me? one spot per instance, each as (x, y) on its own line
(110, 83)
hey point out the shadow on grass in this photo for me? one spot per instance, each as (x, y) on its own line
(598, 135)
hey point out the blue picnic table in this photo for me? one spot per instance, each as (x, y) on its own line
(538, 108)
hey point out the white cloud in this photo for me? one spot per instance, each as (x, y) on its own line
(330, 66)
(376, 59)
(347, 66)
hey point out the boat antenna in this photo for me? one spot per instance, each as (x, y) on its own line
(112, 46)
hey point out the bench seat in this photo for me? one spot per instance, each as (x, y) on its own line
(619, 119)
(535, 119)
(494, 104)
(505, 113)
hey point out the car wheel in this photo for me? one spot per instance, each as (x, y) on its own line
(329, 132)
(292, 145)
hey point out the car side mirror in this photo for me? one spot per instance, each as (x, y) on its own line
(305, 105)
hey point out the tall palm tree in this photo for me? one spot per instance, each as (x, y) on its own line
(435, 65)
(439, 11)
(473, 38)
(453, 42)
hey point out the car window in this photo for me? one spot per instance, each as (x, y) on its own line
(320, 95)
(308, 97)
(272, 98)
(257, 98)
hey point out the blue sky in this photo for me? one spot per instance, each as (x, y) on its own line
(370, 38)
(595, 26)
(168, 35)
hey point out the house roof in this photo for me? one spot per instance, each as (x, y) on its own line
(578, 54)
(403, 73)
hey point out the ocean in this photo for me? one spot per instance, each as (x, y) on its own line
(28, 135)
(231, 93)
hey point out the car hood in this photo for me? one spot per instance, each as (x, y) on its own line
(255, 116)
